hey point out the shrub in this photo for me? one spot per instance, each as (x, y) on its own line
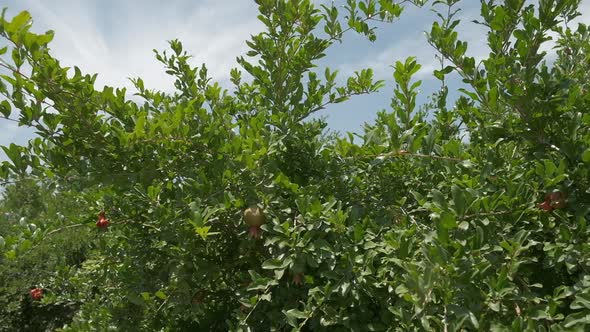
(440, 218)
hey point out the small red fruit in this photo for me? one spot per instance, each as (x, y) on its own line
(36, 293)
(102, 222)
(545, 206)
(199, 297)
(554, 196)
(254, 218)
(553, 200)
(556, 199)
(298, 279)
(558, 204)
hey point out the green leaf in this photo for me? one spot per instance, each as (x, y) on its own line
(11, 254)
(580, 319)
(344, 288)
(5, 108)
(582, 301)
(18, 22)
(203, 231)
(25, 245)
(279, 273)
(448, 220)
(458, 199)
(359, 232)
(296, 314)
(135, 299)
(274, 264)
(161, 295)
(586, 156)
(439, 198)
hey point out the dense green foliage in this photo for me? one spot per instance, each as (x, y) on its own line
(48, 262)
(470, 217)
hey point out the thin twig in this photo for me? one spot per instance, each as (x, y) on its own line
(322, 106)
(408, 154)
(256, 305)
(10, 119)
(163, 303)
(487, 214)
(62, 228)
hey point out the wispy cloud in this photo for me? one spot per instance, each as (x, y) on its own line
(408, 38)
(117, 42)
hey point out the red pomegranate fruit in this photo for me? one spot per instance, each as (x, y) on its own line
(545, 206)
(553, 200)
(36, 293)
(556, 199)
(102, 222)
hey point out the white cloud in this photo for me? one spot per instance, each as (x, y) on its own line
(118, 43)
(409, 39)
(412, 42)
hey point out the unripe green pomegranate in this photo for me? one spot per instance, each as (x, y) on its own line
(254, 218)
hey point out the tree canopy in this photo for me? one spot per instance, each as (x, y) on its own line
(208, 208)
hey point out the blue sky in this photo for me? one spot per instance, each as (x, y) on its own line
(115, 39)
